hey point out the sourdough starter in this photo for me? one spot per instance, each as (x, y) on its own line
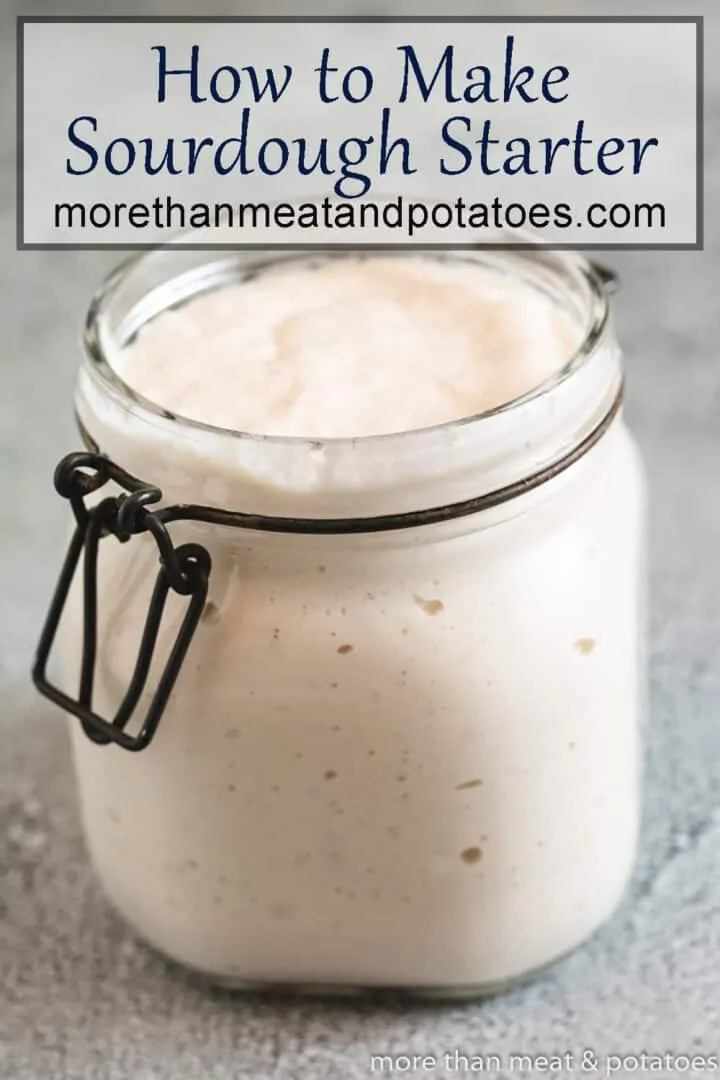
(406, 758)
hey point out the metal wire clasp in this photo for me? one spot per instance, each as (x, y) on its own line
(184, 569)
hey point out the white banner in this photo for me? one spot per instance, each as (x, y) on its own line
(371, 132)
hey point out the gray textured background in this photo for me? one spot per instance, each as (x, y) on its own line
(79, 998)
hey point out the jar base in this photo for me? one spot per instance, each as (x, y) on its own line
(378, 991)
(366, 991)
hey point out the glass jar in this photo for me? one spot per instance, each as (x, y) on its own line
(396, 741)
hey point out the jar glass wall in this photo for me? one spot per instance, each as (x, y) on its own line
(403, 758)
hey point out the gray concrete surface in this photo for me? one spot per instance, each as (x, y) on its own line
(80, 999)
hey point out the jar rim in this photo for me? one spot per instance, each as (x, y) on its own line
(530, 251)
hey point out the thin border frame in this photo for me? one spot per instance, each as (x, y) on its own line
(697, 20)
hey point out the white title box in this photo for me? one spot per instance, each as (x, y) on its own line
(280, 132)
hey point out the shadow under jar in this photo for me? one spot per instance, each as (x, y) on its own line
(403, 747)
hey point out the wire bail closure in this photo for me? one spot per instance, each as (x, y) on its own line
(185, 570)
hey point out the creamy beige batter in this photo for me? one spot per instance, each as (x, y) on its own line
(351, 348)
(399, 759)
